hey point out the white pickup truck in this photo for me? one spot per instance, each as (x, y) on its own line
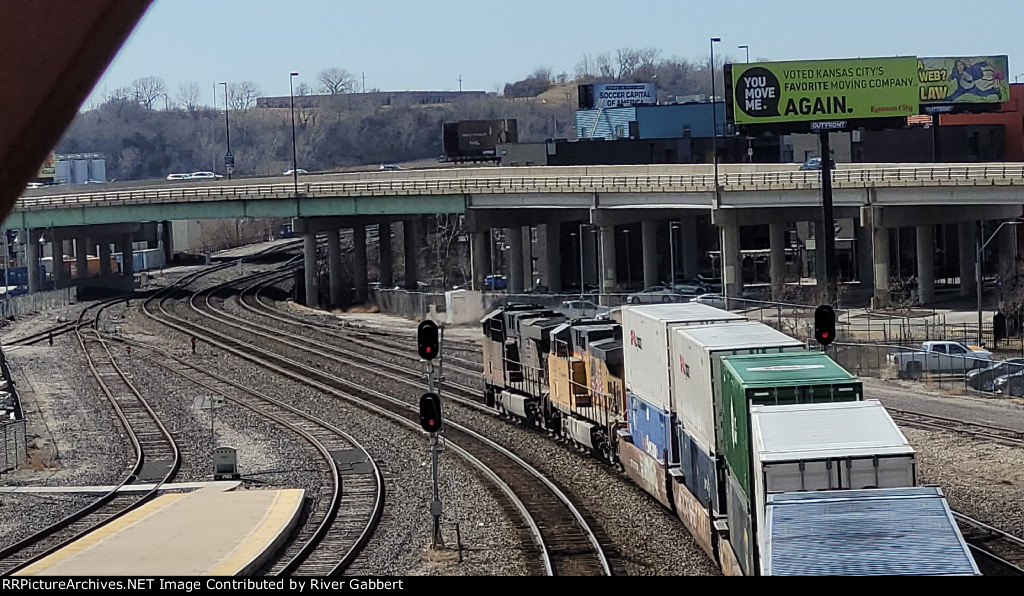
(939, 357)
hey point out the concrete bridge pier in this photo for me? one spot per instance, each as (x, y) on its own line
(105, 257)
(334, 266)
(777, 259)
(514, 236)
(359, 264)
(968, 235)
(880, 259)
(387, 276)
(609, 277)
(649, 246)
(925, 237)
(551, 271)
(32, 260)
(590, 264)
(127, 264)
(81, 258)
(732, 284)
(60, 275)
(309, 262)
(411, 241)
(690, 258)
(481, 258)
(866, 268)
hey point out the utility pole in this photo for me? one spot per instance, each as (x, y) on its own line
(364, 81)
(460, 83)
(828, 231)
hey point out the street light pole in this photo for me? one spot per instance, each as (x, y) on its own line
(980, 246)
(672, 227)
(229, 159)
(747, 48)
(295, 160)
(714, 114)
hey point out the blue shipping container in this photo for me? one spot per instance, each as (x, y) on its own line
(699, 471)
(651, 429)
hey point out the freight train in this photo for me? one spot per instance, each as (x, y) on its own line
(768, 453)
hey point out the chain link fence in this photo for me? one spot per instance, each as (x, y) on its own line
(15, 444)
(19, 306)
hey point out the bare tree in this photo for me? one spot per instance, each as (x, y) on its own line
(130, 158)
(605, 70)
(628, 60)
(147, 90)
(304, 89)
(242, 96)
(586, 68)
(189, 95)
(335, 81)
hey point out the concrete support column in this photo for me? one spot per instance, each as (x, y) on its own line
(777, 259)
(359, 265)
(925, 236)
(127, 264)
(514, 236)
(880, 261)
(411, 240)
(968, 238)
(334, 266)
(609, 275)
(732, 259)
(529, 253)
(387, 276)
(590, 264)
(32, 258)
(552, 258)
(60, 275)
(105, 269)
(1007, 252)
(866, 273)
(688, 243)
(649, 242)
(309, 262)
(819, 254)
(81, 258)
(481, 262)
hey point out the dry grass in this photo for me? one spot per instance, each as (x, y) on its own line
(363, 309)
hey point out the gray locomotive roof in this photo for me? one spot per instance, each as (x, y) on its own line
(540, 327)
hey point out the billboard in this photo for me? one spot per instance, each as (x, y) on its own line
(49, 168)
(959, 80)
(617, 95)
(822, 90)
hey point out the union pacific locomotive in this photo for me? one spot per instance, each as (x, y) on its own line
(768, 453)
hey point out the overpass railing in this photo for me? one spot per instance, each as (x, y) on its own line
(987, 174)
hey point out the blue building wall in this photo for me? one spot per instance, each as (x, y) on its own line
(654, 122)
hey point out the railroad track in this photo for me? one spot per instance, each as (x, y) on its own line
(1003, 436)
(157, 459)
(558, 531)
(995, 551)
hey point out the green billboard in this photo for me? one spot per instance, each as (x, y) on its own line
(822, 90)
(972, 79)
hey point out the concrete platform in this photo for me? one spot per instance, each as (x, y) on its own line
(206, 532)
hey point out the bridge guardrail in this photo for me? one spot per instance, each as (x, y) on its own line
(698, 182)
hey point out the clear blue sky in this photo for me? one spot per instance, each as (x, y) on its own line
(426, 45)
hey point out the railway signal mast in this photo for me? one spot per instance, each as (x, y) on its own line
(428, 342)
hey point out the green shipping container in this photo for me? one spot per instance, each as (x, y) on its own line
(774, 379)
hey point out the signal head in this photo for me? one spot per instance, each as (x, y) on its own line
(427, 341)
(430, 412)
(824, 324)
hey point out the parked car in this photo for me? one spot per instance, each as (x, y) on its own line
(656, 294)
(584, 308)
(178, 176)
(711, 281)
(390, 167)
(715, 300)
(939, 357)
(204, 176)
(1012, 385)
(495, 282)
(290, 171)
(984, 379)
(690, 287)
(814, 163)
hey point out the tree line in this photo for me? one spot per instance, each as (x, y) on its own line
(147, 131)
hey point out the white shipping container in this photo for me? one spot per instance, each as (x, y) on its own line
(645, 345)
(832, 446)
(696, 369)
